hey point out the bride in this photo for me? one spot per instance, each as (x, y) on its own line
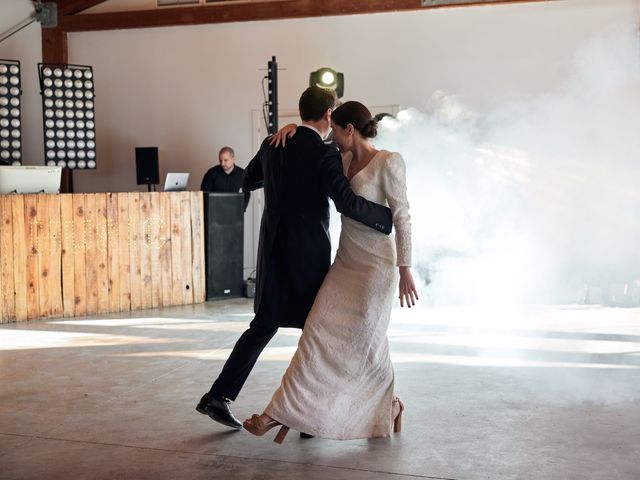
(340, 382)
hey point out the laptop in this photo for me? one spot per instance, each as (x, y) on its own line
(29, 179)
(176, 182)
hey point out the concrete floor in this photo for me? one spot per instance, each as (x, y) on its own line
(528, 393)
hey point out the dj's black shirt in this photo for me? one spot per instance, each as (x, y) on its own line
(217, 181)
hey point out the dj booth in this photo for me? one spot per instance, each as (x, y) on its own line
(83, 254)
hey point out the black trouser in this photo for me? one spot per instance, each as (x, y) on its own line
(242, 359)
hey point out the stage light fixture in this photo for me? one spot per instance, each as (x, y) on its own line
(10, 112)
(68, 109)
(328, 78)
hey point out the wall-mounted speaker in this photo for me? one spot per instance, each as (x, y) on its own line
(147, 170)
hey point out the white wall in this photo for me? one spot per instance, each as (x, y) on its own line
(191, 90)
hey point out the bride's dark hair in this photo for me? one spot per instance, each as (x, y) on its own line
(358, 115)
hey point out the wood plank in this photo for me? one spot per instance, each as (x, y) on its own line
(154, 248)
(55, 254)
(68, 238)
(19, 257)
(197, 246)
(144, 236)
(134, 250)
(79, 258)
(102, 257)
(60, 253)
(44, 256)
(203, 258)
(177, 237)
(32, 274)
(255, 11)
(186, 256)
(124, 254)
(165, 249)
(7, 291)
(91, 251)
(113, 257)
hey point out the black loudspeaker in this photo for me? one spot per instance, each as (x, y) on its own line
(224, 244)
(147, 171)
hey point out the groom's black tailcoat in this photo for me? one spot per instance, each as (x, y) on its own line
(294, 252)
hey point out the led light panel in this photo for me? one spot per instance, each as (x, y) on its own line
(10, 112)
(68, 111)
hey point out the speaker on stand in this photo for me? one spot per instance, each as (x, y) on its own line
(147, 169)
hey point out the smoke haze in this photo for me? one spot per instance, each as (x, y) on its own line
(536, 201)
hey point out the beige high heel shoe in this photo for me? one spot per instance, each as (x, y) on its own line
(397, 421)
(258, 427)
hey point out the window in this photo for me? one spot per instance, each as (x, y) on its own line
(173, 3)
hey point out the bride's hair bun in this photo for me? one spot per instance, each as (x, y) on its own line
(370, 129)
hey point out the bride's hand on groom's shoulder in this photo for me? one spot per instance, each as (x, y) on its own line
(280, 137)
(407, 287)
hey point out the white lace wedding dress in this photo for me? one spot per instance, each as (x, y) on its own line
(339, 383)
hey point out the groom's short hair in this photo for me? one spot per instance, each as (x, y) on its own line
(314, 102)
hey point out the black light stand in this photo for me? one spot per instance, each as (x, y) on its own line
(272, 102)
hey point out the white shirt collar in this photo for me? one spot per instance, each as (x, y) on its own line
(314, 129)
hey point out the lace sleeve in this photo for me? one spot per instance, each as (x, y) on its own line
(395, 187)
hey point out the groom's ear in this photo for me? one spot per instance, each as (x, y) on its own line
(327, 114)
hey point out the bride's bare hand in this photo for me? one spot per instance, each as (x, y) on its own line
(281, 136)
(408, 292)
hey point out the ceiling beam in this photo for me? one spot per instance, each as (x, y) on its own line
(54, 46)
(71, 7)
(251, 11)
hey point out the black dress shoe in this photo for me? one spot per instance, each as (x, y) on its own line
(218, 409)
(305, 435)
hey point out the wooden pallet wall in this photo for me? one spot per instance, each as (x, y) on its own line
(84, 254)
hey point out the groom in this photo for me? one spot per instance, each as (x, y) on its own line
(294, 251)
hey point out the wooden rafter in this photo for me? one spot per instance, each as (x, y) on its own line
(54, 46)
(251, 11)
(71, 7)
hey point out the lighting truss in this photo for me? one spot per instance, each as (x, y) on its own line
(68, 110)
(10, 112)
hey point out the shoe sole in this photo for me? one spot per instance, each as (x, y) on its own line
(219, 420)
